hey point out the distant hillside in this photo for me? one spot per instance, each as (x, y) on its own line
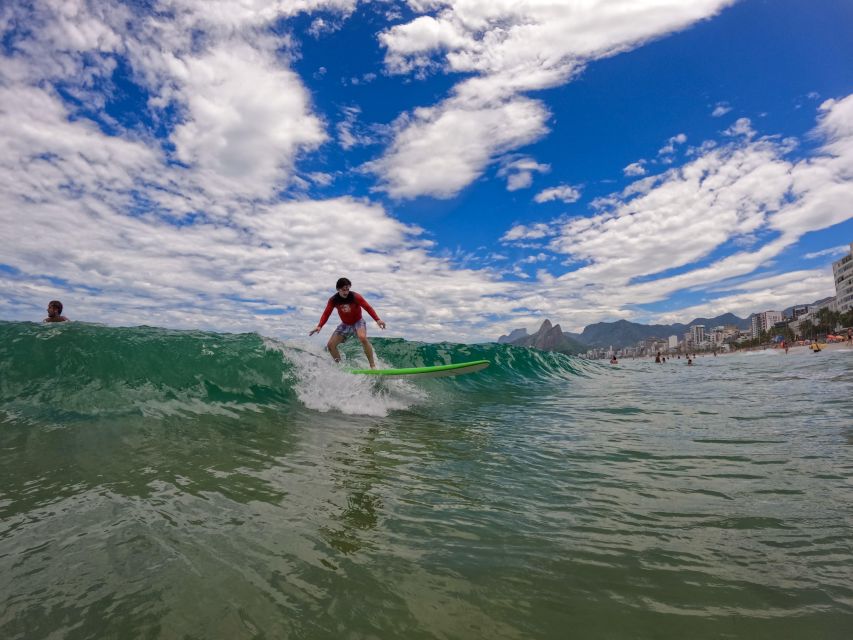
(547, 338)
(515, 334)
(721, 321)
(626, 334)
(573, 336)
(790, 310)
(621, 333)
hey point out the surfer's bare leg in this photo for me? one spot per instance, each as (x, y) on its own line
(332, 346)
(365, 343)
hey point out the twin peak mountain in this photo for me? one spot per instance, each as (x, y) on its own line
(548, 338)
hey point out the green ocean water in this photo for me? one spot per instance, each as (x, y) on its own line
(166, 484)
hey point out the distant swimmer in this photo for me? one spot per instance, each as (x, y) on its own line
(349, 305)
(657, 358)
(54, 312)
(690, 362)
(613, 360)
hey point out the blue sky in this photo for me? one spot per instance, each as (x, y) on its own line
(473, 166)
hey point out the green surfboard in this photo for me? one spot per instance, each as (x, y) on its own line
(429, 372)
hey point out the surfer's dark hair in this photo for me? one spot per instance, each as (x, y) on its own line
(55, 303)
(343, 282)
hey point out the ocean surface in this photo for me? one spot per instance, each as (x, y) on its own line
(175, 484)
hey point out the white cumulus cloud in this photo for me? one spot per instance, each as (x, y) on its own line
(247, 120)
(507, 48)
(669, 147)
(441, 150)
(635, 169)
(518, 172)
(721, 109)
(564, 193)
(659, 236)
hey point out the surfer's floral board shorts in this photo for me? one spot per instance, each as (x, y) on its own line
(347, 330)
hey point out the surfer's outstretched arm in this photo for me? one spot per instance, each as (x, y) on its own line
(326, 313)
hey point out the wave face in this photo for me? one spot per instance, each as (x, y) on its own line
(77, 370)
(85, 370)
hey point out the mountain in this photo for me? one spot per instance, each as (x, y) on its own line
(515, 334)
(548, 338)
(626, 334)
(721, 321)
(621, 333)
(817, 303)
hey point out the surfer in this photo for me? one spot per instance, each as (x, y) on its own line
(349, 305)
(54, 312)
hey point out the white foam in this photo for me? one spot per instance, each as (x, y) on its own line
(323, 385)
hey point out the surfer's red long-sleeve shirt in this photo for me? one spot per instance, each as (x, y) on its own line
(349, 308)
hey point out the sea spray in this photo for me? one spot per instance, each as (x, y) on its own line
(322, 384)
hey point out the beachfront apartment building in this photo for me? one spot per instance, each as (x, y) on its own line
(698, 333)
(720, 334)
(799, 310)
(812, 314)
(764, 321)
(842, 272)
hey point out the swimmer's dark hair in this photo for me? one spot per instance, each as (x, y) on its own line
(55, 303)
(343, 282)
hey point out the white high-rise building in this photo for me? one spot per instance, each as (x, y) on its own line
(673, 342)
(764, 320)
(842, 272)
(698, 332)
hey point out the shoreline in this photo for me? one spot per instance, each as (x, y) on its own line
(829, 346)
(824, 346)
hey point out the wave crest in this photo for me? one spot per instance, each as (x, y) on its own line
(60, 371)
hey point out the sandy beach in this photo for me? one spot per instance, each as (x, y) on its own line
(829, 346)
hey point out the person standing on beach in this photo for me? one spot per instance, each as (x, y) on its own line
(54, 312)
(349, 305)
